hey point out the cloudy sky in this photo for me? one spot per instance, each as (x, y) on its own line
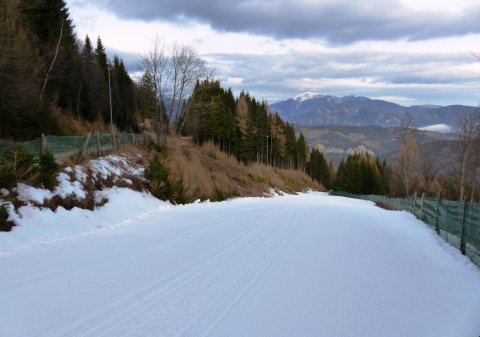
(406, 51)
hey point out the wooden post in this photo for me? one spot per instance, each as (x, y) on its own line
(413, 203)
(44, 148)
(123, 139)
(421, 207)
(439, 197)
(113, 139)
(462, 233)
(99, 148)
(85, 145)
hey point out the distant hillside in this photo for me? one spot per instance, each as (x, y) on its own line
(315, 109)
(337, 141)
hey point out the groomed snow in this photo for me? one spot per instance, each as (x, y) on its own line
(306, 265)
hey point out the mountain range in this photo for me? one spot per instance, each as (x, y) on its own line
(312, 109)
(338, 141)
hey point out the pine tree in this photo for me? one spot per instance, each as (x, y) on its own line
(49, 21)
(87, 51)
(302, 150)
(101, 57)
(22, 114)
(360, 175)
(291, 149)
(318, 168)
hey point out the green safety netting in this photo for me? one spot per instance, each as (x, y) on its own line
(63, 147)
(457, 222)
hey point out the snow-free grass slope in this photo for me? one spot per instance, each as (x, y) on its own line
(305, 265)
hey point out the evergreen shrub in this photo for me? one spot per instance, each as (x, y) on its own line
(157, 176)
(48, 171)
(19, 166)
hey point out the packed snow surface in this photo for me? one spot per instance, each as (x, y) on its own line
(305, 265)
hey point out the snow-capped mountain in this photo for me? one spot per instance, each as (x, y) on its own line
(306, 96)
(311, 108)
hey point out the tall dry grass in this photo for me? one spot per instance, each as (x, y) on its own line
(208, 173)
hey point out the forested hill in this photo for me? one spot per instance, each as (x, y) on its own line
(49, 80)
(46, 73)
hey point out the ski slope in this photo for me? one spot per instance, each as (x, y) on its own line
(306, 265)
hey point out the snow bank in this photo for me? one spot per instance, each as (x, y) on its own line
(41, 225)
(36, 224)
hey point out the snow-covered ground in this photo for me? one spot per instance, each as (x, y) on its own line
(306, 265)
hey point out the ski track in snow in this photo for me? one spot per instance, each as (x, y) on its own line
(306, 265)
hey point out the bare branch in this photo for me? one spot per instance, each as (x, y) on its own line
(53, 61)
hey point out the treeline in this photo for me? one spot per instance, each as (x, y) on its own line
(45, 71)
(241, 126)
(244, 127)
(362, 174)
(453, 173)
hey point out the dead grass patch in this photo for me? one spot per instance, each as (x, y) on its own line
(208, 173)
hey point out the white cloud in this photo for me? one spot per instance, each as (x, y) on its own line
(439, 5)
(405, 101)
(436, 71)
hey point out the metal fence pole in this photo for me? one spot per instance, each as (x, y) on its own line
(462, 233)
(421, 207)
(413, 203)
(85, 145)
(99, 148)
(437, 229)
(44, 148)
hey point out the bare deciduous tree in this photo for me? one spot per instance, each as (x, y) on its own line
(53, 61)
(406, 164)
(155, 67)
(174, 75)
(465, 156)
(427, 169)
(187, 67)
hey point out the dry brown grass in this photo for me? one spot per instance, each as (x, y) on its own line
(208, 173)
(71, 125)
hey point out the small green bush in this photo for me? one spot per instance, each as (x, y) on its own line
(156, 147)
(48, 171)
(7, 176)
(157, 177)
(17, 165)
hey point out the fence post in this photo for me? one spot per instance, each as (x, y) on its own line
(437, 229)
(413, 203)
(113, 139)
(462, 233)
(85, 144)
(421, 207)
(99, 148)
(43, 150)
(123, 139)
